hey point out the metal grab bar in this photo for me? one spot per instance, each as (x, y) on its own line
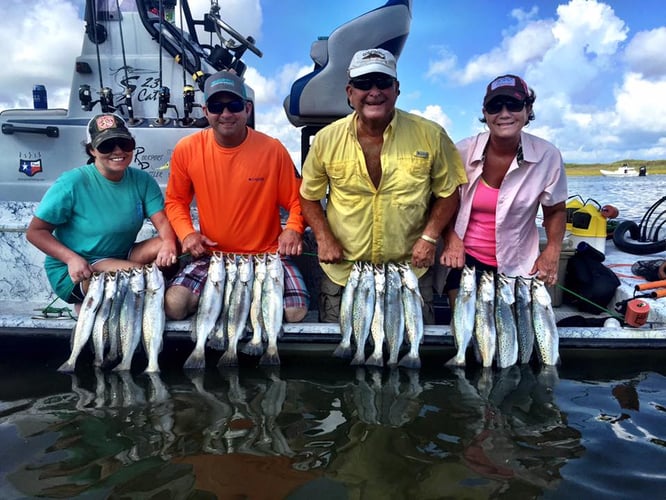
(50, 131)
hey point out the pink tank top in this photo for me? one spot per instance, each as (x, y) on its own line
(480, 235)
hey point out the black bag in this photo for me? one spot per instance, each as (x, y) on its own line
(589, 278)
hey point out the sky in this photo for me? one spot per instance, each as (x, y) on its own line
(598, 67)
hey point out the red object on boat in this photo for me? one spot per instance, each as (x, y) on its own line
(637, 312)
(609, 211)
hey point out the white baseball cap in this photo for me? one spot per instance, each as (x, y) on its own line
(372, 61)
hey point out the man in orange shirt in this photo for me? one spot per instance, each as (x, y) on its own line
(241, 178)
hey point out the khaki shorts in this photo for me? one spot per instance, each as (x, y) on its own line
(330, 296)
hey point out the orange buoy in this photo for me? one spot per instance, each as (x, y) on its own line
(637, 312)
(609, 211)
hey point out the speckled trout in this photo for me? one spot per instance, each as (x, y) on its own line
(463, 315)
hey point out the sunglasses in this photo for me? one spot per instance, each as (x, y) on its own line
(218, 107)
(496, 105)
(107, 147)
(381, 82)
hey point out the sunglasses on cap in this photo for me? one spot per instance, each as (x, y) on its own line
(496, 105)
(217, 107)
(366, 83)
(108, 146)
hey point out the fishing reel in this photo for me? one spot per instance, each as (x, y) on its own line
(106, 100)
(163, 99)
(188, 105)
(85, 98)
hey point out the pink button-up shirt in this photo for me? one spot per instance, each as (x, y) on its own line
(539, 179)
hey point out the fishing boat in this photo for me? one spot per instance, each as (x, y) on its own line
(132, 61)
(623, 171)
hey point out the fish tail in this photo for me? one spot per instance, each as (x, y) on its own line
(375, 360)
(196, 360)
(253, 349)
(410, 361)
(358, 359)
(343, 351)
(228, 359)
(456, 361)
(217, 343)
(66, 367)
(270, 359)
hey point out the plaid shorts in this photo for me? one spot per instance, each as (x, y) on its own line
(296, 295)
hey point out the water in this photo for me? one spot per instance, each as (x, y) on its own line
(316, 428)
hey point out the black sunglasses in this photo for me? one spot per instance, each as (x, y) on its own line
(107, 147)
(366, 83)
(218, 107)
(496, 105)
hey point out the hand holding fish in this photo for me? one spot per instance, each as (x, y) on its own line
(290, 242)
(79, 269)
(423, 253)
(196, 244)
(546, 265)
(167, 254)
(329, 249)
(454, 251)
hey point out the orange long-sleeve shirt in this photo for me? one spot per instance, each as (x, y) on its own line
(238, 191)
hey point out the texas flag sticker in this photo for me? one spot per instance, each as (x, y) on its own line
(30, 167)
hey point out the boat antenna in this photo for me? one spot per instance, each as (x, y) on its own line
(128, 89)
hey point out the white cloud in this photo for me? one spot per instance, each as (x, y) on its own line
(645, 53)
(434, 113)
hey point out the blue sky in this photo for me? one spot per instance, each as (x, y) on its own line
(598, 68)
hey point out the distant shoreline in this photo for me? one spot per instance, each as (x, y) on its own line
(579, 169)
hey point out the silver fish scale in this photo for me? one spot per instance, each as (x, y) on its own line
(394, 313)
(239, 310)
(464, 310)
(218, 338)
(255, 346)
(154, 318)
(524, 324)
(413, 309)
(364, 308)
(545, 327)
(86, 320)
(101, 326)
(505, 322)
(113, 323)
(272, 300)
(131, 318)
(377, 325)
(209, 310)
(343, 350)
(485, 334)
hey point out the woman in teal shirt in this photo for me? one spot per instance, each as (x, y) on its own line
(90, 217)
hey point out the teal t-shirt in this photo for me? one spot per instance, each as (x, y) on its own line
(95, 217)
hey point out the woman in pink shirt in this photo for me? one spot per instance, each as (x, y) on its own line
(511, 174)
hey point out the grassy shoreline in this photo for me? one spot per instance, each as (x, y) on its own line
(580, 169)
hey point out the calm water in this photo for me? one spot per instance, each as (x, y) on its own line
(595, 427)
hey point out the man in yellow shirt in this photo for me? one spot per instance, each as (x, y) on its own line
(390, 179)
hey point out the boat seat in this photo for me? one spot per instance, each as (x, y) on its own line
(319, 97)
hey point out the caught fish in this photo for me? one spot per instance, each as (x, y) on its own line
(413, 305)
(100, 326)
(255, 346)
(131, 318)
(394, 313)
(463, 315)
(112, 330)
(239, 310)
(218, 338)
(154, 317)
(524, 322)
(208, 311)
(545, 328)
(343, 350)
(86, 320)
(377, 325)
(272, 300)
(362, 311)
(505, 322)
(485, 334)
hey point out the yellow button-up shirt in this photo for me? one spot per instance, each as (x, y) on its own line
(380, 224)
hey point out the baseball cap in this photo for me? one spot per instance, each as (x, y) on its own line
(372, 61)
(106, 126)
(224, 81)
(509, 86)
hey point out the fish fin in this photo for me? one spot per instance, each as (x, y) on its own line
(217, 343)
(375, 360)
(253, 349)
(195, 361)
(411, 362)
(66, 367)
(270, 359)
(344, 352)
(228, 359)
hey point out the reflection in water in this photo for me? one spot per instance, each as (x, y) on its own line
(371, 433)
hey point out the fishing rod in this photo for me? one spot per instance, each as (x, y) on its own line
(128, 89)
